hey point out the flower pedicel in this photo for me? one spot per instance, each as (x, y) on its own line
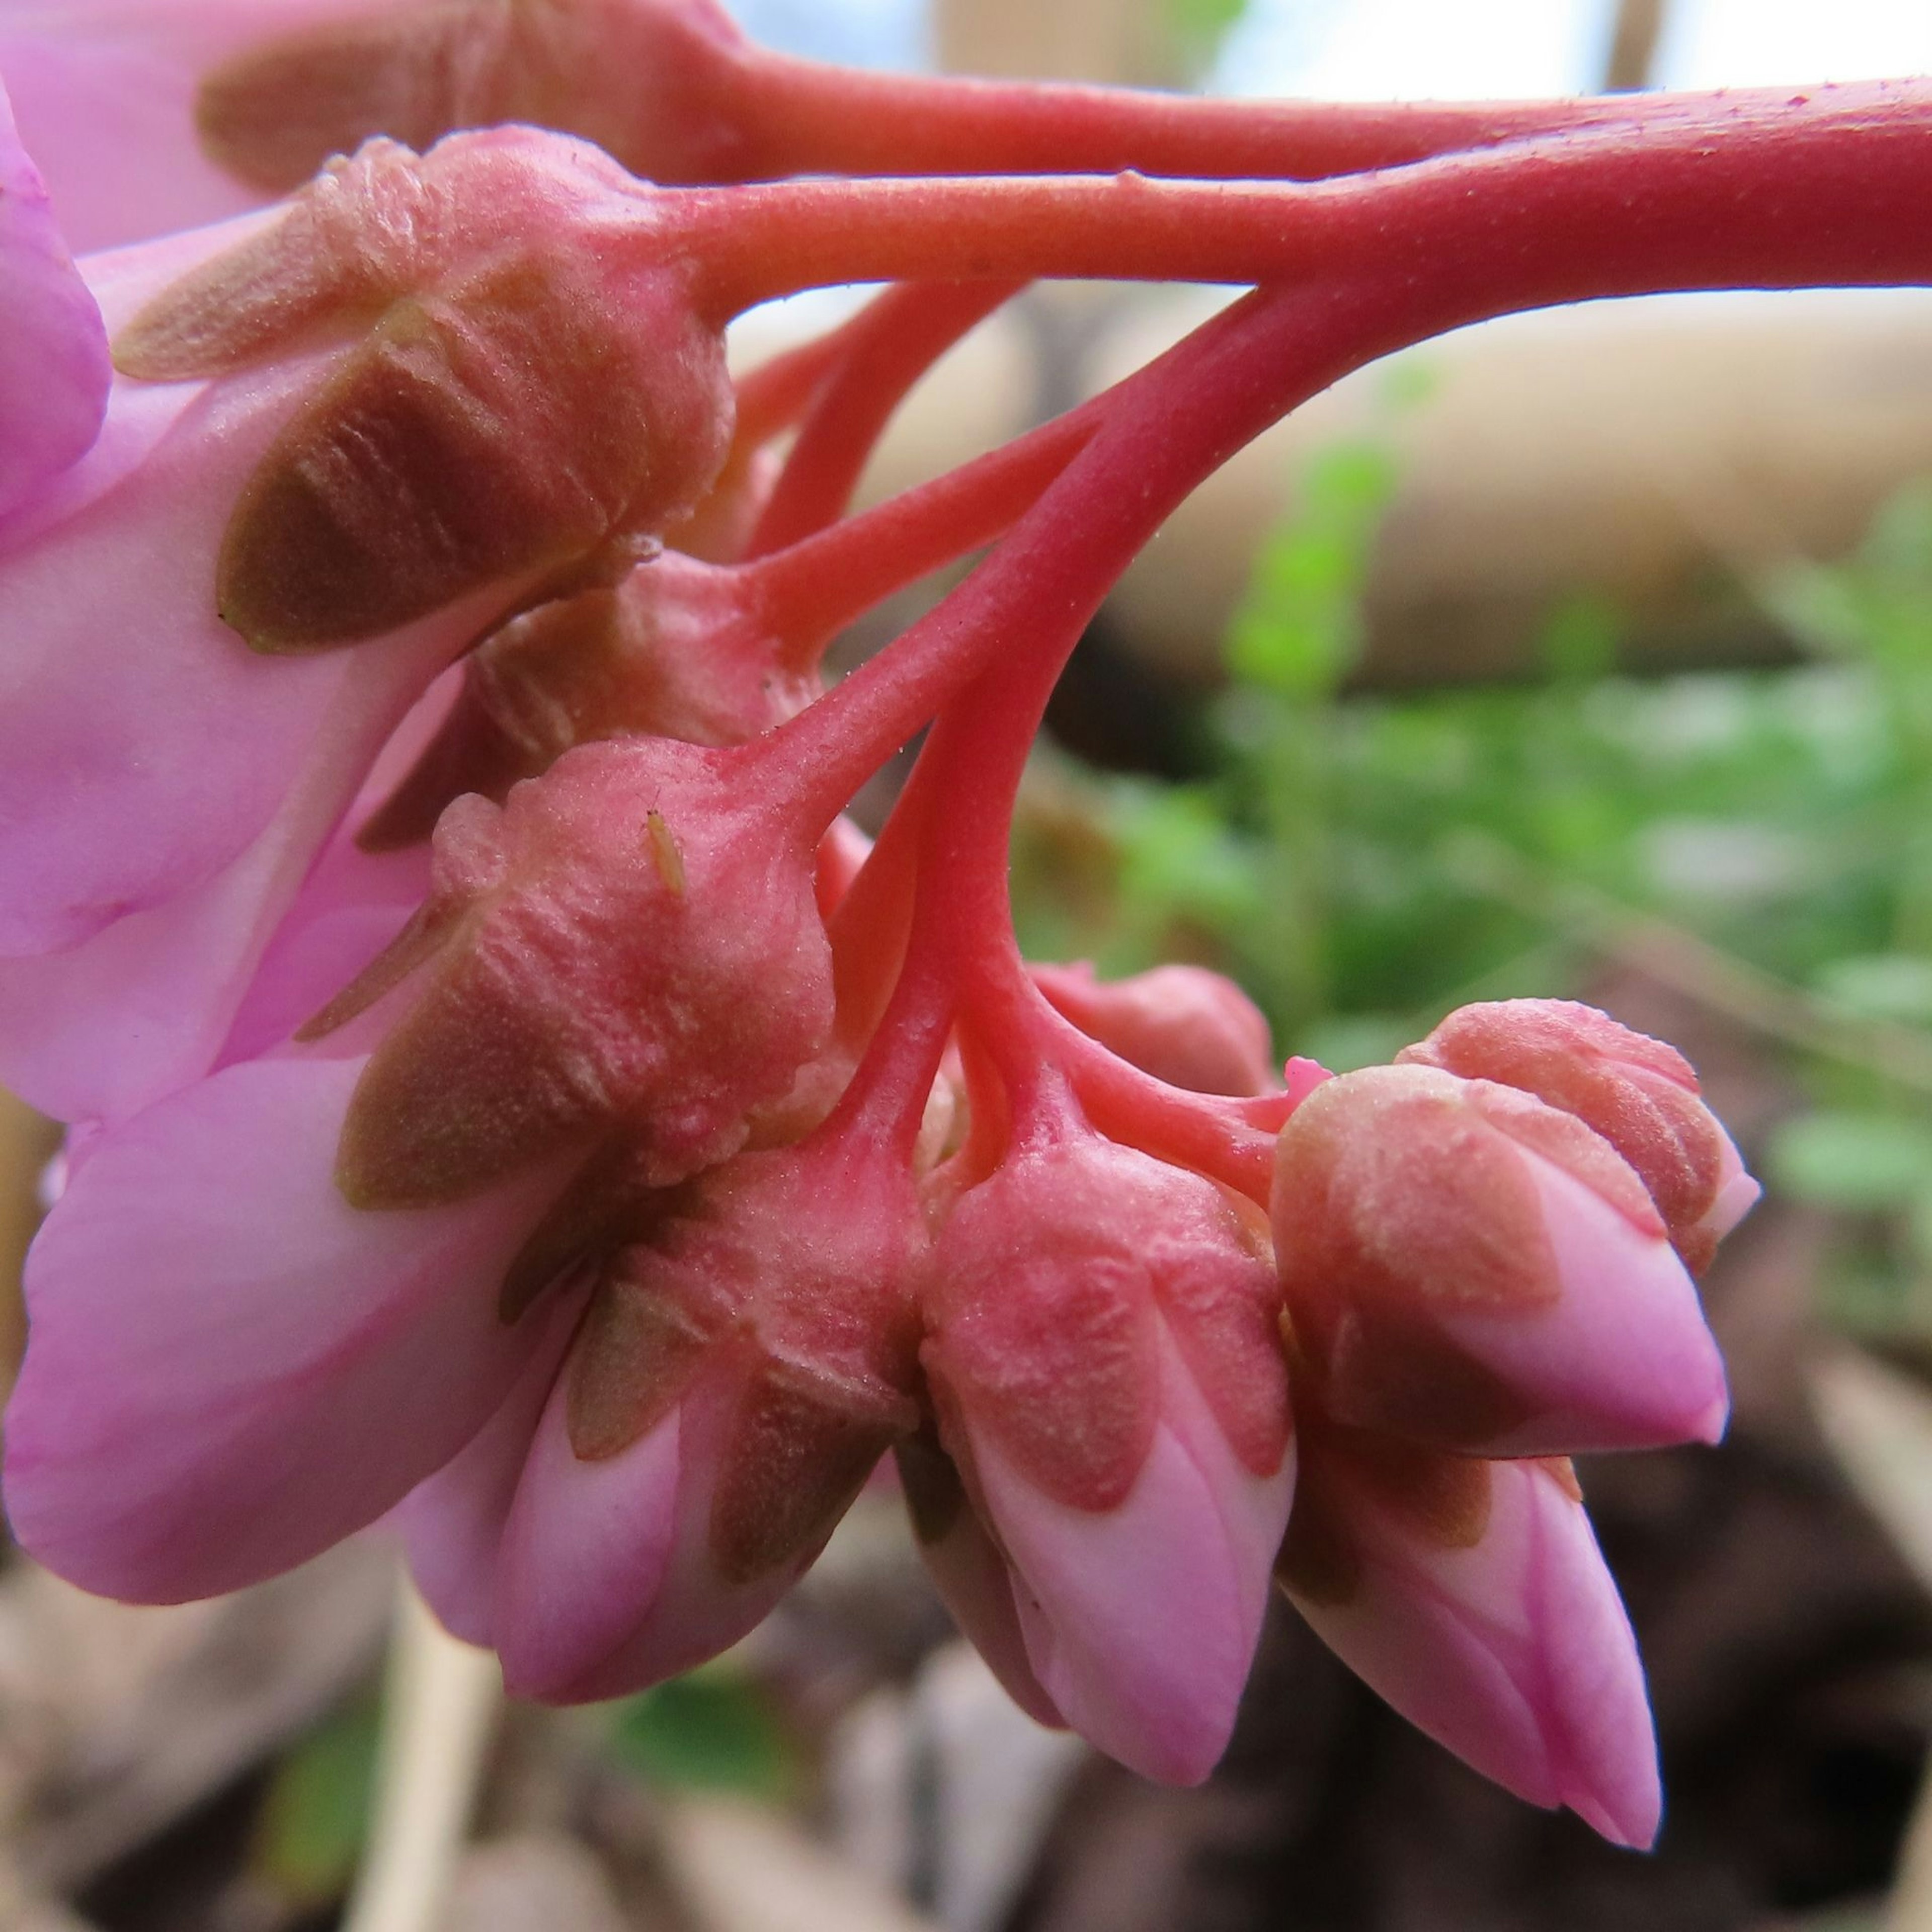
(511, 1091)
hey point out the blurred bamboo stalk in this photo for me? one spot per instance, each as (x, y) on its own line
(1639, 27)
(1127, 41)
(440, 1708)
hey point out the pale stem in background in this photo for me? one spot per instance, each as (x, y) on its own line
(440, 1706)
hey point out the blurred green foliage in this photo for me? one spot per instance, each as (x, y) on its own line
(315, 1813)
(714, 1729)
(1364, 861)
(1201, 25)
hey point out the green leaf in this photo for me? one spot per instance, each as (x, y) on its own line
(1205, 22)
(1298, 630)
(1580, 640)
(1865, 1163)
(1343, 1042)
(711, 1730)
(1880, 986)
(315, 1815)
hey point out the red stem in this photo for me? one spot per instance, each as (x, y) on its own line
(1735, 191)
(811, 591)
(889, 346)
(772, 397)
(1165, 428)
(794, 117)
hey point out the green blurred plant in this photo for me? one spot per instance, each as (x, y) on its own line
(1363, 861)
(314, 1818)
(712, 1730)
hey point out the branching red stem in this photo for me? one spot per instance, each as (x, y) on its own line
(799, 117)
(1726, 191)
(889, 346)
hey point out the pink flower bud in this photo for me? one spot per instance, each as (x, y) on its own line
(1466, 1266)
(527, 379)
(630, 946)
(1183, 1025)
(1101, 1350)
(1640, 1094)
(1471, 1596)
(742, 1368)
(53, 352)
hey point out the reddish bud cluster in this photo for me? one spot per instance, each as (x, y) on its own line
(661, 1154)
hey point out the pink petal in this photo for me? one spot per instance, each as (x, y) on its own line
(1140, 1622)
(1513, 1651)
(54, 371)
(150, 1002)
(143, 747)
(352, 905)
(607, 1582)
(452, 1523)
(228, 1368)
(972, 1576)
(584, 1553)
(104, 90)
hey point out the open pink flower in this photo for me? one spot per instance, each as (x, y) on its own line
(1471, 1595)
(1102, 1356)
(53, 353)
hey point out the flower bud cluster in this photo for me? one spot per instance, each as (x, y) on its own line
(1483, 1273)
(505, 1089)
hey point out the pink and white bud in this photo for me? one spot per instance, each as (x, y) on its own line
(1102, 1353)
(53, 353)
(629, 946)
(1471, 1596)
(1640, 1093)
(1184, 1025)
(1466, 1266)
(228, 1368)
(742, 1368)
